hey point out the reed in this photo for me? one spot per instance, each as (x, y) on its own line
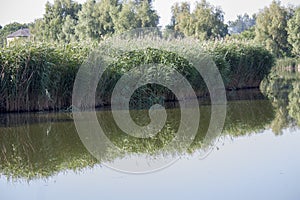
(35, 77)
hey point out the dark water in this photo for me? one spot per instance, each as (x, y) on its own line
(256, 157)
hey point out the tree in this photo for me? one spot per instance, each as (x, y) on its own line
(271, 30)
(126, 18)
(105, 10)
(86, 28)
(293, 28)
(181, 18)
(135, 14)
(242, 23)
(248, 34)
(146, 16)
(204, 22)
(96, 19)
(50, 28)
(68, 30)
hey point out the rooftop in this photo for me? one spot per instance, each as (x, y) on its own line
(20, 33)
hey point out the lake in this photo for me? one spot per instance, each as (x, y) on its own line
(256, 156)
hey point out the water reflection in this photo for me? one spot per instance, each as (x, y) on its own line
(37, 146)
(284, 93)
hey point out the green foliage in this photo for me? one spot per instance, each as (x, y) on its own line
(248, 63)
(294, 32)
(38, 76)
(204, 22)
(135, 14)
(67, 21)
(167, 62)
(96, 19)
(271, 30)
(58, 22)
(248, 34)
(41, 77)
(241, 24)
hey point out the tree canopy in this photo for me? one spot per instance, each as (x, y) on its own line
(276, 27)
(294, 32)
(67, 20)
(271, 30)
(205, 22)
(242, 23)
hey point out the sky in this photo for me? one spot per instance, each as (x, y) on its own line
(25, 11)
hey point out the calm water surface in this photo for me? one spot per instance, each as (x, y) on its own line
(256, 157)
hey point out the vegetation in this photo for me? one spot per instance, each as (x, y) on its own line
(248, 63)
(293, 32)
(276, 27)
(241, 24)
(205, 22)
(38, 76)
(67, 21)
(41, 77)
(271, 30)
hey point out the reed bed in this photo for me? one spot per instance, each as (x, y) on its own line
(36, 77)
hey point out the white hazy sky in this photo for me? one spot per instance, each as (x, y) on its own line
(25, 11)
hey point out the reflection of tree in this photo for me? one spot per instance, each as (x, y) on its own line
(284, 93)
(294, 105)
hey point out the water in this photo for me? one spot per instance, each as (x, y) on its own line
(256, 157)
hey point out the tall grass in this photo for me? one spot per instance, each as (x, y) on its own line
(249, 63)
(37, 77)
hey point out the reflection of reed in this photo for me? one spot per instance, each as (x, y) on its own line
(43, 145)
(31, 151)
